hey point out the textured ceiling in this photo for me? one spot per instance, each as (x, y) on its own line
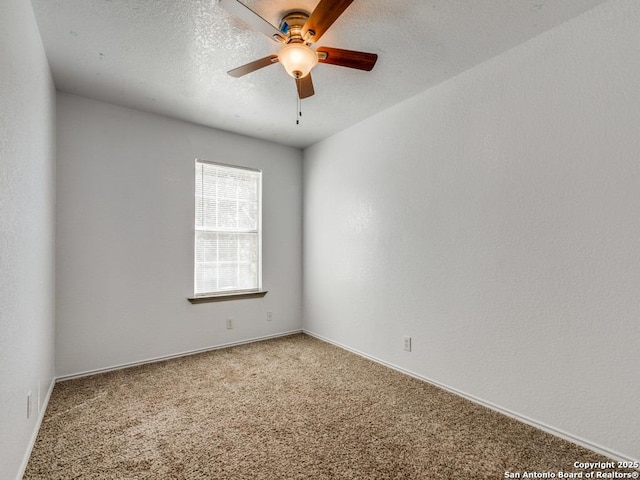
(171, 56)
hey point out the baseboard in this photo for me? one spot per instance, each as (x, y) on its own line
(521, 418)
(34, 435)
(97, 371)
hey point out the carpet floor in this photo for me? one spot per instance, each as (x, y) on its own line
(288, 408)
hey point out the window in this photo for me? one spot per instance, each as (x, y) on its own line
(227, 229)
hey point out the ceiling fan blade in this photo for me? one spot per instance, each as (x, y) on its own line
(253, 66)
(347, 58)
(250, 17)
(323, 17)
(305, 86)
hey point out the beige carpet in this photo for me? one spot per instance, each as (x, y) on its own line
(288, 408)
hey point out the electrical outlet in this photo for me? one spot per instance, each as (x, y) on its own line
(229, 323)
(407, 344)
(269, 316)
(28, 405)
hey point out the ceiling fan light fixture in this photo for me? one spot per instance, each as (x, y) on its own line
(297, 30)
(297, 59)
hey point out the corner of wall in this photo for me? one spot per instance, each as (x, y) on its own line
(27, 245)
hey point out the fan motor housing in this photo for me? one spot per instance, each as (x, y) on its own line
(292, 23)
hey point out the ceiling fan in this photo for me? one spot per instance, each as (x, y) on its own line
(297, 31)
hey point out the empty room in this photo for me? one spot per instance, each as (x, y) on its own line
(319, 239)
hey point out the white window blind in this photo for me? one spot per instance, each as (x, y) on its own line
(227, 229)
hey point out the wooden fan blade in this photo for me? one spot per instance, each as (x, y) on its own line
(254, 20)
(253, 66)
(305, 86)
(323, 17)
(347, 58)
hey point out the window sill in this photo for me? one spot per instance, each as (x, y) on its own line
(221, 297)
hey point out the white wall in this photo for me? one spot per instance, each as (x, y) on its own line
(495, 219)
(26, 232)
(125, 209)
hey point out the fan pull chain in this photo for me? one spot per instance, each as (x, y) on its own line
(298, 110)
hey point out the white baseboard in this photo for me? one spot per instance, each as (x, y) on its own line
(36, 429)
(87, 373)
(521, 418)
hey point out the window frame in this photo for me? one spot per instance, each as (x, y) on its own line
(220, 295)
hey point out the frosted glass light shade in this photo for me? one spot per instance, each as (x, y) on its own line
(297, 59)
